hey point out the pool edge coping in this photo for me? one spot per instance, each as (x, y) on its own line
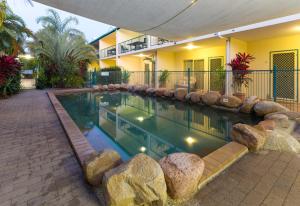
(215, 163)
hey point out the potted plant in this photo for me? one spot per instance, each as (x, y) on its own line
(125, 76)
(163, 78)
(240, 70)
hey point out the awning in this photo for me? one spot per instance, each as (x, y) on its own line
(178, 19)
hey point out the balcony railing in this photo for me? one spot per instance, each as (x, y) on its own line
(134, 44)
(108, 52)
(155, 41)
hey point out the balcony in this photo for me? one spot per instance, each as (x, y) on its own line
(134, 44)
(108, 52)
(156, 41)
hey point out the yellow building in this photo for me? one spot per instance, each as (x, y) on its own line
(274, 45)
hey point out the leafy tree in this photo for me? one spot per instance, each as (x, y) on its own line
(13, 33)
(57, 25)
(62, 52)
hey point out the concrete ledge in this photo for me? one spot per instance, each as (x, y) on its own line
(71, 91)
(79, 143)
(219, 160)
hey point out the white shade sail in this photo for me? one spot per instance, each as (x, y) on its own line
(178, 19)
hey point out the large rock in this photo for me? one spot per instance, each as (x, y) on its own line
(169, 93)
(97, 164)
(183, 172)
(251, 137)
(139, 182)
(211, 98)
(282, 120)
(266, 107)
(196, 96)
(123, 87)
(111, 87)
(150, 91)
(160, 92)
(248, 104)
(180, 93)
(268, 124)
(230, 101)
(105, 87)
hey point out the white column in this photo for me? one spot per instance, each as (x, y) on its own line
(228, 82)
(156, 70)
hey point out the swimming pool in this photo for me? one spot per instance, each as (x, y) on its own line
(132, 124)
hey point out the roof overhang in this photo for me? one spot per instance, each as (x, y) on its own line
(178, 19)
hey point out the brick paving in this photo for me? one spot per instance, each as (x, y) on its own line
(37, 165)
(268, 179)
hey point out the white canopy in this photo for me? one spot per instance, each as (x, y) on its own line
(178, 19)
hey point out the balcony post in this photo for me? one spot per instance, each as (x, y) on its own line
(156, 84)
(148, 41)
(228, 80)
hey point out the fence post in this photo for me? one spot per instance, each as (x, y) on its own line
(189, 80)
(274, 83)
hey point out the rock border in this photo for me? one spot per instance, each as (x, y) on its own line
(215, 162)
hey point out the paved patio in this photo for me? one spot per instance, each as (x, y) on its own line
(38, 167)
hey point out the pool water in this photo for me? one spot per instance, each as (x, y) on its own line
(132, 124)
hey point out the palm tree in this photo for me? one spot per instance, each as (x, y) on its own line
(61, 49)
(13, 33)
(58, 25)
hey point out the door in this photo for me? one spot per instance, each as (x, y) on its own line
(284, 78)
(147, 74)
(188, 64)
(199, 73)
(216, 74)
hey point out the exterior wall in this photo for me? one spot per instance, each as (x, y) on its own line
(261, 49)
(237, 46)
(107, 63)
(200, 53)
(93, 65)
(124, 35)
(135, 65)
(107, 42)
(166, 60)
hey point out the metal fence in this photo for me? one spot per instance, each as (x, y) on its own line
(281, 86)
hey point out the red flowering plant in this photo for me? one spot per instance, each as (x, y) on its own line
(240, 70)
(10, 75)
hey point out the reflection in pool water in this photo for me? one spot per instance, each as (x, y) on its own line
(133, 124)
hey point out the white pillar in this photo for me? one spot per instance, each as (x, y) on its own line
(156, 70)
(228, 81)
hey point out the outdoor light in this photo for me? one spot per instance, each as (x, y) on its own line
(190, 140)
(140, 55)
(297, 28)
(26, 56)
(191, 46)
(143, 149)
(140, 119)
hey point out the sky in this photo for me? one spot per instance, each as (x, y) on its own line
(92, 29)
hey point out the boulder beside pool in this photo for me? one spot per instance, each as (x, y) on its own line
(150, 91)
(266, 107)
(183, 172)
(138, 182)
(248, 104)
(230, 101)
(160, 92)
(97, 164)
(251, 137)
(211, 98)
(180, 93)
(196, 96)
(169, 93)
